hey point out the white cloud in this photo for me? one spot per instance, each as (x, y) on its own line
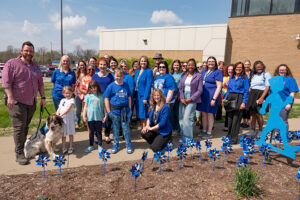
(79, 41)
(95, 32)
(67, 9)
(167, 17)
(71, 22)
(30, 29)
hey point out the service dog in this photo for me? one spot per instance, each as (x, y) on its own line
(42, 142)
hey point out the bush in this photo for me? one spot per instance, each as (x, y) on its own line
(246, 182)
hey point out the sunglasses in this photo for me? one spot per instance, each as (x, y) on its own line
(162, 66)
(92, 69)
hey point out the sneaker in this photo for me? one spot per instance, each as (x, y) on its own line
(115, 148)
(64, 151)
(258, 134)
(201, 133)
(77, 126)
(100, 148)
(246, 125)
(129, 149)
(89, 149)
(70, 151)
(20, 158)
(251, 133)
(206, 135)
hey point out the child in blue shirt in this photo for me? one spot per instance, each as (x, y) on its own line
(94, 113)
(118, 106)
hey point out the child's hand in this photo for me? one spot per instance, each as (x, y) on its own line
(104, 119)
(84, 118)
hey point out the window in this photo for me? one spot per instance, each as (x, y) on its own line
(264, 7)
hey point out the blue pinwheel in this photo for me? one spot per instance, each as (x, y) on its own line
(298, 175)
(42, 161)
(243, 140)
(290, 136)
(59, 161)
(160, 157)
(278, 138)
(136, 171)
(297, 136)
(190, 143)
(169, 148)
(208, 144)
(243, 162)
(104, 155)
(181, 153)
(265, 150)
(144, 157)
(198, 147)
(226, 148)
(214, 154)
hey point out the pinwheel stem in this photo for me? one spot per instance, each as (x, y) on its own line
(264, 160)
(180, 163)
(224, 158)
(205, 152)
(44, 172)
(104, 166)
(159, 168)
(135, 184)
(191, 154)
(168, 157)
(200, 158)
(152, 160)
(143, 164)
(214, 166)
(60, 170)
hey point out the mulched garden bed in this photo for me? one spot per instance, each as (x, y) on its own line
(193, 181)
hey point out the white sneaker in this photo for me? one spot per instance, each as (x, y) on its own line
(251, 133)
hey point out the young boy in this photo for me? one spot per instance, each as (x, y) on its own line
(118, 106)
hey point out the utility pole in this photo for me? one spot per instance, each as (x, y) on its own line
(51, 52)
(61, 29)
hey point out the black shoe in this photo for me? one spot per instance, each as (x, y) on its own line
(20, 158)
(246, 125)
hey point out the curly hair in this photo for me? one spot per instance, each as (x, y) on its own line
(162, 99)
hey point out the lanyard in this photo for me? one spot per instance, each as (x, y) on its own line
(206, 74)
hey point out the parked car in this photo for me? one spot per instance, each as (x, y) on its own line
(51, 70)
(1, 68)
(45, 70)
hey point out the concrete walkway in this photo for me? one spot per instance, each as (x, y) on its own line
(79, 157)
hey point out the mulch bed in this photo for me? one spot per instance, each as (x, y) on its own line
(193, 181)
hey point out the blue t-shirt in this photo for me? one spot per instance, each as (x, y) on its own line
(95, 110)
(290, 85)
(60, 80)
(165, 83)
(177, 78)
(103, 81)
(118, 96)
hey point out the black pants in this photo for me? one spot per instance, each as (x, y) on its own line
(219, 112)
(95, 127)
(234, 121)
(108, 124)
(157, 141)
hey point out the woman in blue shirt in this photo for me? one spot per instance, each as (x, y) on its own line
(290, 89)
(158, 129)
(143, 79)
(104, 78)
(238, 90)
(61, 77)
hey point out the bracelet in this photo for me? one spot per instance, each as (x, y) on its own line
(43, 97)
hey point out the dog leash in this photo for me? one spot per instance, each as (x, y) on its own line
(40, 120)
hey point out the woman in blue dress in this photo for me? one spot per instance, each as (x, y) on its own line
(61, 77)
(212, 85)
(143, 79)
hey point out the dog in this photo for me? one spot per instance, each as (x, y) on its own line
(45, 140)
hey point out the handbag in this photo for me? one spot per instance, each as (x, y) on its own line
(231, 105)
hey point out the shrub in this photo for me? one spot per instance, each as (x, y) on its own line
(246, 182)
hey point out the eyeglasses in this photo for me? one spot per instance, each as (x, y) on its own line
(91, 69)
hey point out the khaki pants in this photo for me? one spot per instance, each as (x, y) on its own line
(21, 116)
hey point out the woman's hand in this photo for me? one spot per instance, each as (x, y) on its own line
(260, 101)
(84, 118)
(187, 101)
(104, 119)
(243, 106)
(145, 102)
(145, 129)
(183, 101)
(288, 107)
(212, 103)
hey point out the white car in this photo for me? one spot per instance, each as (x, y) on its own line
(1, 68)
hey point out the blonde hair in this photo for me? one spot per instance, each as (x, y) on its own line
(119, 70)
(60, 63)
(162, 99)
(67, 88)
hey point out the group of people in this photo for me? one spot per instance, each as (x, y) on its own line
(164, 98)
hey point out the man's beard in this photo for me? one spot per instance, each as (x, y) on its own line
(28, 58)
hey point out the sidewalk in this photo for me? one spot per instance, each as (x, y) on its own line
(79, 158)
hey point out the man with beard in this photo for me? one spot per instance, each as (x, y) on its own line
(22, 80)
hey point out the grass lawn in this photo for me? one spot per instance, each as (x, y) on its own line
(5, 124)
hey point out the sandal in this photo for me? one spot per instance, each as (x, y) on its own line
(70, 151)
(64, 151)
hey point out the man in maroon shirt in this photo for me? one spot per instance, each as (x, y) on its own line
(21, 80)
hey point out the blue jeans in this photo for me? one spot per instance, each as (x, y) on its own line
(116, 124)
(186, 119)
(78, 104)
(56, 103)
(174, 115)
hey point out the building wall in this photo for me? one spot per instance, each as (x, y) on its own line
(271, 39)
(173, 54)
(181, 42)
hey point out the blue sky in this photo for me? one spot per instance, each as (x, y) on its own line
(39, 20)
